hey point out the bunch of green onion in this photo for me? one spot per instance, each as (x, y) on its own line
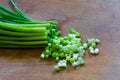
(17, 30)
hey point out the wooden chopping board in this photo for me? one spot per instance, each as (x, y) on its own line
(92, 18)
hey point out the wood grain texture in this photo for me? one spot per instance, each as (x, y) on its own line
(92, 18)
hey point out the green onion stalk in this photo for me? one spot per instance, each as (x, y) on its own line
(18, 30)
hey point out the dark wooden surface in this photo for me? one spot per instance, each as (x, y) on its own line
(92, 18)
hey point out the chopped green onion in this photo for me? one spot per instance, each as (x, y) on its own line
(57, 68)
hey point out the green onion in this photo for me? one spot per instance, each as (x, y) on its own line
(57, 68)
(19, 11)
(30, 38)
(23, 29)
(6, 10)
(23, 42)
(11, 33)
(20, 46)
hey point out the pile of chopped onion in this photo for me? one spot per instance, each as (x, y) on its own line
(70, 49)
